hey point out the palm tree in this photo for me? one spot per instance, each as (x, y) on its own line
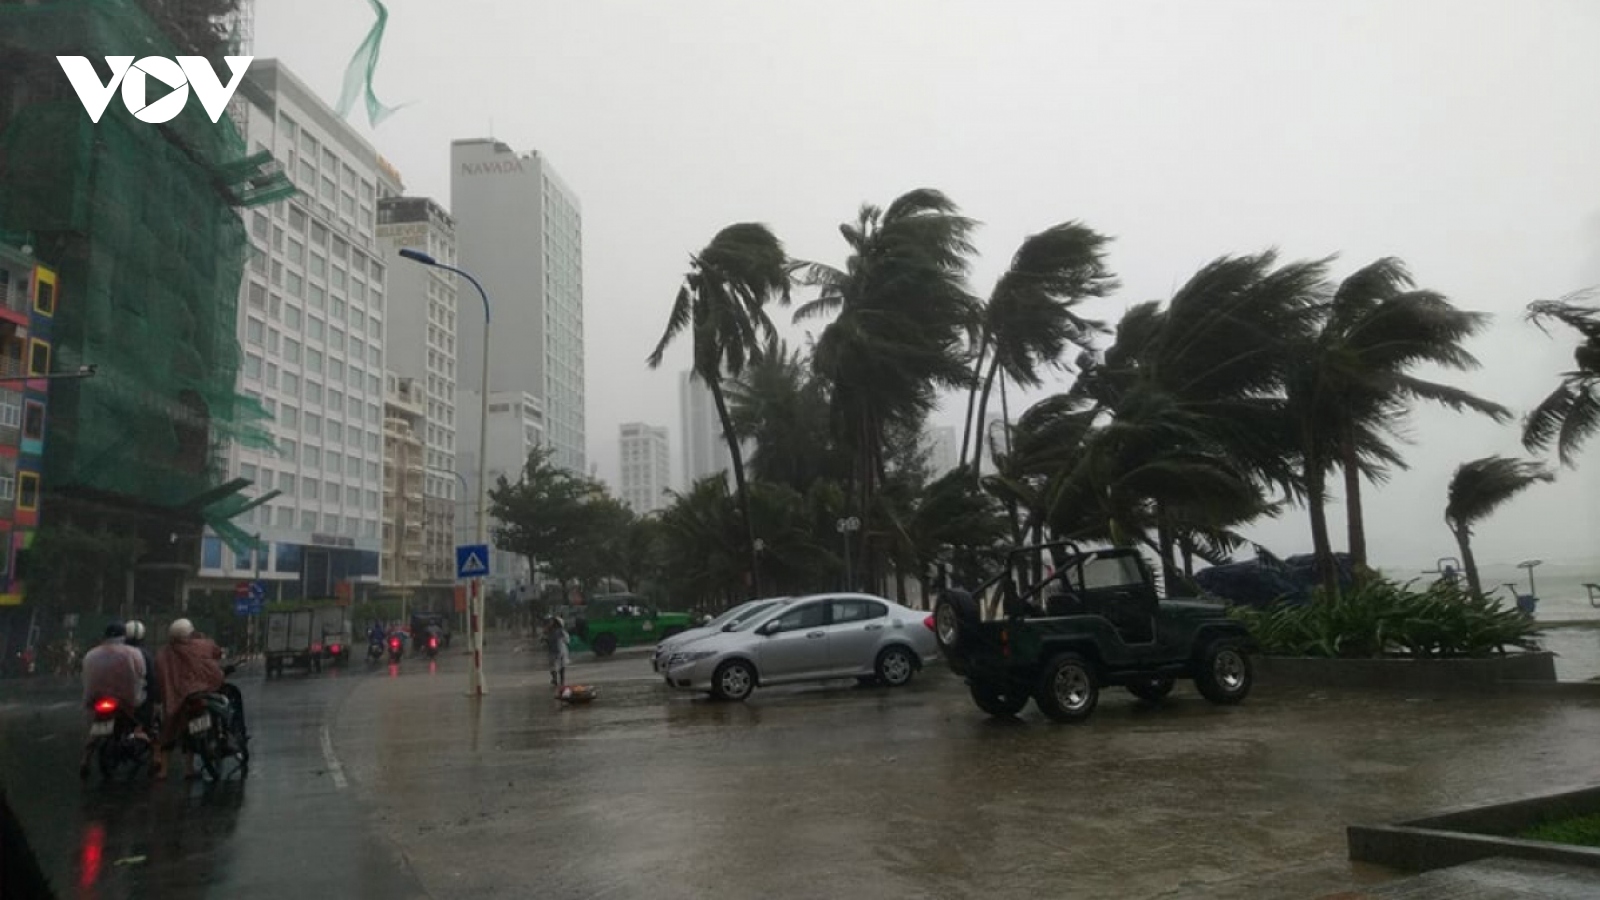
(722, 303)
(1029, 320)
(903, 312)
(1196, 435)
(780, 406)
(1477, 489)
(1571, 414)
(1352, 386)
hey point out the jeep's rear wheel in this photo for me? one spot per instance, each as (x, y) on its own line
(1067, 691)
(605, 645)
(1153, 689)
(1224, 674)
(997, 702)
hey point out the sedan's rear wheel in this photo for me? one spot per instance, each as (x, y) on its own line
(896, 665)
(734, 680)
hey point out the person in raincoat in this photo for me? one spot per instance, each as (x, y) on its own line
(189, 664)
(555, 643)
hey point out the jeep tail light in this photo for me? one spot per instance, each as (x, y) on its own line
(928, 622)
(105, 706)
(1005, 642)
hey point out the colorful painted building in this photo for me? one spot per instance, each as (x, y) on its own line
(28, 298)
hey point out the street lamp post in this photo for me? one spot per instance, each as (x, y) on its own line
(847, 527)
(475, 685)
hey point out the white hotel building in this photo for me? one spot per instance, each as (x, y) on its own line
(311, 325)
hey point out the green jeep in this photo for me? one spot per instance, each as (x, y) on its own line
(1092, 620)
(610, 621)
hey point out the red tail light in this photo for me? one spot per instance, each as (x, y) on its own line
(929, 622)
(335, 649)
(433, 642)
(395, 643)
(105, 706)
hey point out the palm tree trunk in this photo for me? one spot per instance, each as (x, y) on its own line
(1320, 545)
(972, 396)
(983, 409)
(1468, 561)
(737, 459)
(1352, 501)
(900, 584)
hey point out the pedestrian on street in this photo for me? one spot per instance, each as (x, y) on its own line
(555, 641)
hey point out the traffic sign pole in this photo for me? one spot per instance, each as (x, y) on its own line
(472, 561)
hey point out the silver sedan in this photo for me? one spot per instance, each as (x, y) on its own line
(812, 638)
(737, 614)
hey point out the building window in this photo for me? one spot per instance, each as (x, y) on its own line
(28, 491)
(38, 358)
(308, 521)
(8, 488)
(44, 297)
(252, 365)
(10, 411)
(312, 488)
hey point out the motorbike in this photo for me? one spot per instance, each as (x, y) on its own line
(394, 649)
(433, 646)
(374, 651)
(215, 732)
(118, 741)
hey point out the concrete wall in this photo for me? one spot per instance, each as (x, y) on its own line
(1407, 674)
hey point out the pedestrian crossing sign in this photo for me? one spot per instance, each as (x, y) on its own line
(472, 560)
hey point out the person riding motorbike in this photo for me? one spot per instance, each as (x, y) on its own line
(112, 669)
(152, 678)
(189, 665)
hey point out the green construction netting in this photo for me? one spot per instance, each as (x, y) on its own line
(140, 222)
(358, 74)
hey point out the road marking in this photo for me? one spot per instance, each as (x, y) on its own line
(334, 769)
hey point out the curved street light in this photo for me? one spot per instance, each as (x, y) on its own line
(475, 685)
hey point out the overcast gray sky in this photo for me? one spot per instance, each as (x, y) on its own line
(1461, 136)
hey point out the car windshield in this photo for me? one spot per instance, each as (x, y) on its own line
(755, 617)
(741, 612)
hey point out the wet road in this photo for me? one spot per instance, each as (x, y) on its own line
(803, 792)
(289, 826)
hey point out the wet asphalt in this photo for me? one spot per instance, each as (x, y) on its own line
(831, 791)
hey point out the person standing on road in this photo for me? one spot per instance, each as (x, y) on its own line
(188, 665)
(555, 642)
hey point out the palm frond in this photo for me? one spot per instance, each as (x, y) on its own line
(1481, 486)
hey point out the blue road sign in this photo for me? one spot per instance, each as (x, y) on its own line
(258, 592)
(472, 560)
(241, 606)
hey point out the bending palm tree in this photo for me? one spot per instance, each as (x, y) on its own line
(1354, 386)
(722, 303)
(1571, 414)
(903, 313)
(1029, 321)
(1479, 488)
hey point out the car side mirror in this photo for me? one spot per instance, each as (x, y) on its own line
(769, 629)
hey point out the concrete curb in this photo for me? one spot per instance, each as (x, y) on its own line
(1465, 834)
(1409, 674)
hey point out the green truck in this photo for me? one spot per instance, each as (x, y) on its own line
(610, 621)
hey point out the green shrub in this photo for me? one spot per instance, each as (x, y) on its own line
(1379, 617)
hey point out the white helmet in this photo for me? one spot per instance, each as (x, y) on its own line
(182, 628)
(135, 629)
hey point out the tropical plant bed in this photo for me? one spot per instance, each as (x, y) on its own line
(1556, 828)
(1407, 673)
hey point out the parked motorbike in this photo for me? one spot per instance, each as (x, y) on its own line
(118, 742)
(394, 649)
(216, 732)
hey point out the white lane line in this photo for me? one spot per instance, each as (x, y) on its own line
(334, 769)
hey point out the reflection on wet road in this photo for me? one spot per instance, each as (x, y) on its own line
(833, 791)
(287, 826)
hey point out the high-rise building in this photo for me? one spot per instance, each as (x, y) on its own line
(646, 467)
(28, 299)
(705, 452)
(404, 476)
(520, 232)
(942, 450)
(311, 321)
(420, 345)
(516, 426)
